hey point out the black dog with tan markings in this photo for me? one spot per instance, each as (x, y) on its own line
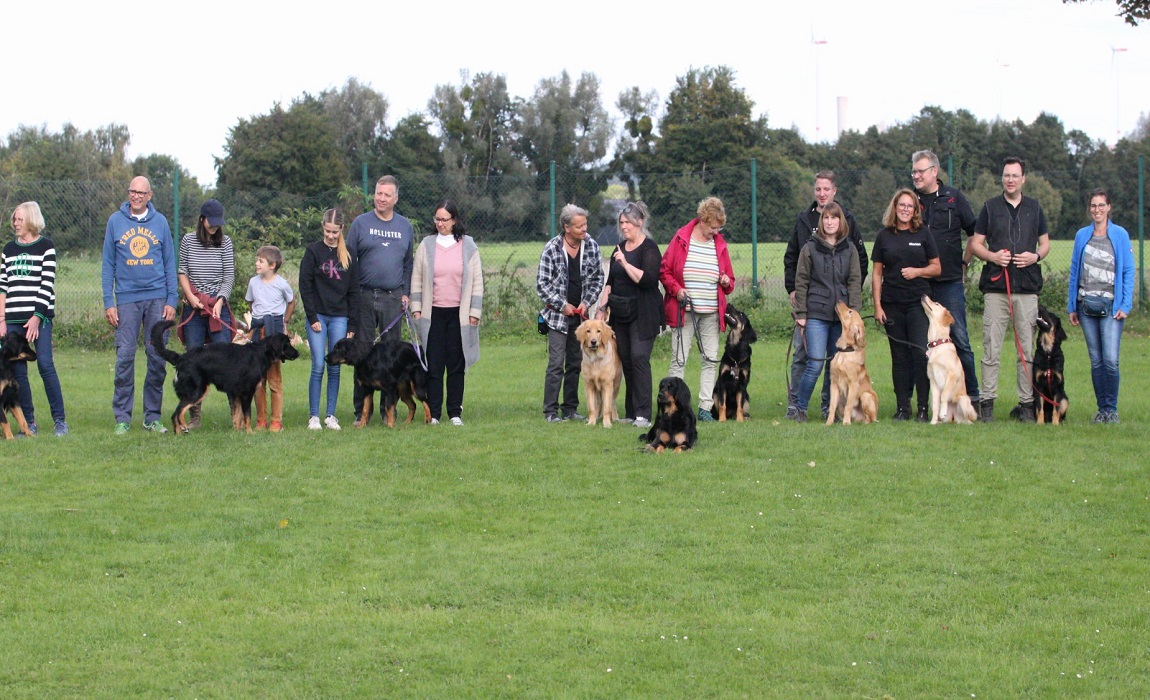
(1050, 391)
(392, 369)
(14, 347)
(730, 395)
(233, 369)
(674, 427)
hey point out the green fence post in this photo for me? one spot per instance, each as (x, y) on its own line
(1142, 269)
(552, 199)
(754, 230)
(366, 193)
(949, 171)
(176, 203)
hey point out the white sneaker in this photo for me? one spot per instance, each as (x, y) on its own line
(434, 421)
(642, 423)
(331, 423)
(313, 423)
(457, 421)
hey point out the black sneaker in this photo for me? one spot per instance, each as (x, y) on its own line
(575, 415)
(552, 418)
(791, 411)
(901, 414)
(922, 417)
(800, 416)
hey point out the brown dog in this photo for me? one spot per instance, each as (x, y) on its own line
(949, 402)
(602, 369)
(851, 390)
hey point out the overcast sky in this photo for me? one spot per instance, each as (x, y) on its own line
(180, 75)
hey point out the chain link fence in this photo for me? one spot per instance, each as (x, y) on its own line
(512, 217)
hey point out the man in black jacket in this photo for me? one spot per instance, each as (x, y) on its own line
(806, 224)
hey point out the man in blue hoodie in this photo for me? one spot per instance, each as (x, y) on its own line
(140, 290)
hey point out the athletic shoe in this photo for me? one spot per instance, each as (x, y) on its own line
(901, 414)
(704, 416)
(331, 423)
(922, 417)
(626, 420)
(155, 427)
(276, 426)
(456, 420)
(575, 415)
(800, 416)
(1100, 417)
(791, 411)
(642, 423)
(552, 418)
(121, 429)
(61, 428)
(314, 424)
(434, 421)
(1112, 417)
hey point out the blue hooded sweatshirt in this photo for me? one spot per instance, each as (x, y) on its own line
(139, 259)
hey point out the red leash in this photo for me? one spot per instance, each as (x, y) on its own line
(1018, 343)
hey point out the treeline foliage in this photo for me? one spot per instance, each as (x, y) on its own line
(494, 152)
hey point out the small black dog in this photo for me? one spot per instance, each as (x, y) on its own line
(730, 395)
(391, 368)
(1051, 400)
(234, 369)
(14, 347)
(674, 426)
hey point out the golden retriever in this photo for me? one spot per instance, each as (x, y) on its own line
(602, 370)
(949, 402)
(851, 390)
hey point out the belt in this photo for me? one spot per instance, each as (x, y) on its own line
(377, 292)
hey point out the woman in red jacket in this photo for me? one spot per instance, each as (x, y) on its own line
(697, 277)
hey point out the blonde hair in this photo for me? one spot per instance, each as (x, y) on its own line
(33, 218)
(711, 211)
(889, 219)
(335, 218)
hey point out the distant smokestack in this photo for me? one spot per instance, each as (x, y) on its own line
(842, 114)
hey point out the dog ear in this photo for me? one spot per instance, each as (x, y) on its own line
(947, 319)
(581, 332)
(607, 316)
(1059, 334)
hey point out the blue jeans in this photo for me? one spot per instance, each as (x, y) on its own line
(134, 316)
(820, 338)
(1103, 337)
(43, 348)
(196, 329)
(952, 295)
(331, 330)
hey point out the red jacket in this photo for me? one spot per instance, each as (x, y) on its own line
(671, 274)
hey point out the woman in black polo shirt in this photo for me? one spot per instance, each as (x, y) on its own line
(905, 258)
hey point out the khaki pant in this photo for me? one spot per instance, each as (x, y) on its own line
(681, 343)
(995, 321)
(275, 386)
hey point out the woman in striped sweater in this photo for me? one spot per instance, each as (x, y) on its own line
(28, 305)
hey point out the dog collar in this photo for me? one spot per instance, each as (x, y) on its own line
(936, 343)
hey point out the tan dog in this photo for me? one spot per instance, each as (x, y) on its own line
(949, 402)
(602, 370)
(851, 390)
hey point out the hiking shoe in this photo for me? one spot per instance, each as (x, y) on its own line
(331, 423)
(1023, 412)
(61, 428)
(155, 427)
(575, 415)
(314, 424)
(121, 429)
(704, 416)
(456, 420)
(552, 418)
(791, 411)
(986, 410)
(276, 427)
(641, 423)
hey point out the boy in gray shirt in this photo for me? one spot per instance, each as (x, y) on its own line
(272, 303)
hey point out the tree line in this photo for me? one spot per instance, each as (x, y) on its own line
(493, 152)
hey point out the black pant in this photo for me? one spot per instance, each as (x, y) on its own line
(564, 363)
(635, 353)
(445, 352)
(377, 309)
(907, 323)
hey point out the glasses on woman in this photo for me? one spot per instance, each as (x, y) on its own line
(443, 221)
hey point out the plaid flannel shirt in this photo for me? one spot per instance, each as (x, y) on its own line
(551, 284)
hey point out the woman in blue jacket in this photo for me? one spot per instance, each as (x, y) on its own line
(1100, 296)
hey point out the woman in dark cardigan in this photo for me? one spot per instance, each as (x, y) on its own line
(632, 295)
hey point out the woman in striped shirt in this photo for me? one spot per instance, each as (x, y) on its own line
(697, 277)
(207, 271)
(28, 305)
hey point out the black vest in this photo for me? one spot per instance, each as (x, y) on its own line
(1017, 232)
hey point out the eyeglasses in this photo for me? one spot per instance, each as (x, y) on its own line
(629, 209)
(916, 172)
(1099, 206)
(907, 207)
(443, 221)
(138, 193)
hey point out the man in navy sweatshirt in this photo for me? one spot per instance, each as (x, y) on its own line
(140, 290)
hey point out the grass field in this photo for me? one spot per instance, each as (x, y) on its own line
(510, 558)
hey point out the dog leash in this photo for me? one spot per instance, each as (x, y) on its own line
(415, 344)
(698, 336)
(1018, 343)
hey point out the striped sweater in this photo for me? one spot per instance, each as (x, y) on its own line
(211, 270)
(28, 280)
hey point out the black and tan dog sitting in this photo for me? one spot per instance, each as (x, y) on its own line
(14, 347)
(674, 427)
(730, 394)
(1050, 393)
(393, 369)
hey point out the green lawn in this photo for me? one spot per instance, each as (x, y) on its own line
(509, 558)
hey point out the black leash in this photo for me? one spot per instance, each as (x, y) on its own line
(698, 336)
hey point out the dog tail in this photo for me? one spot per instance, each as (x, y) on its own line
(966, 408)
(158, 342)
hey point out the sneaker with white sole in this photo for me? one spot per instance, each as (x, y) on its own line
(331, 423)
(434, 421)
(642, 423)
(314, 424)
(456, 420)
(155, 427)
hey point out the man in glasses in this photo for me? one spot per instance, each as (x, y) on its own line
(1010, 235)
(806, 225)
(140, 290)
(947, 214)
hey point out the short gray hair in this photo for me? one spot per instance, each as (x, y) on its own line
(568, 214)
(929, 155)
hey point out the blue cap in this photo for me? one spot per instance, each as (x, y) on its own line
(213, 211)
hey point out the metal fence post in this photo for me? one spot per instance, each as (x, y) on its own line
(176, 204)
(552, 169)
(754, 231)
(949, 170)
(1141, 229)
(365, 192)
